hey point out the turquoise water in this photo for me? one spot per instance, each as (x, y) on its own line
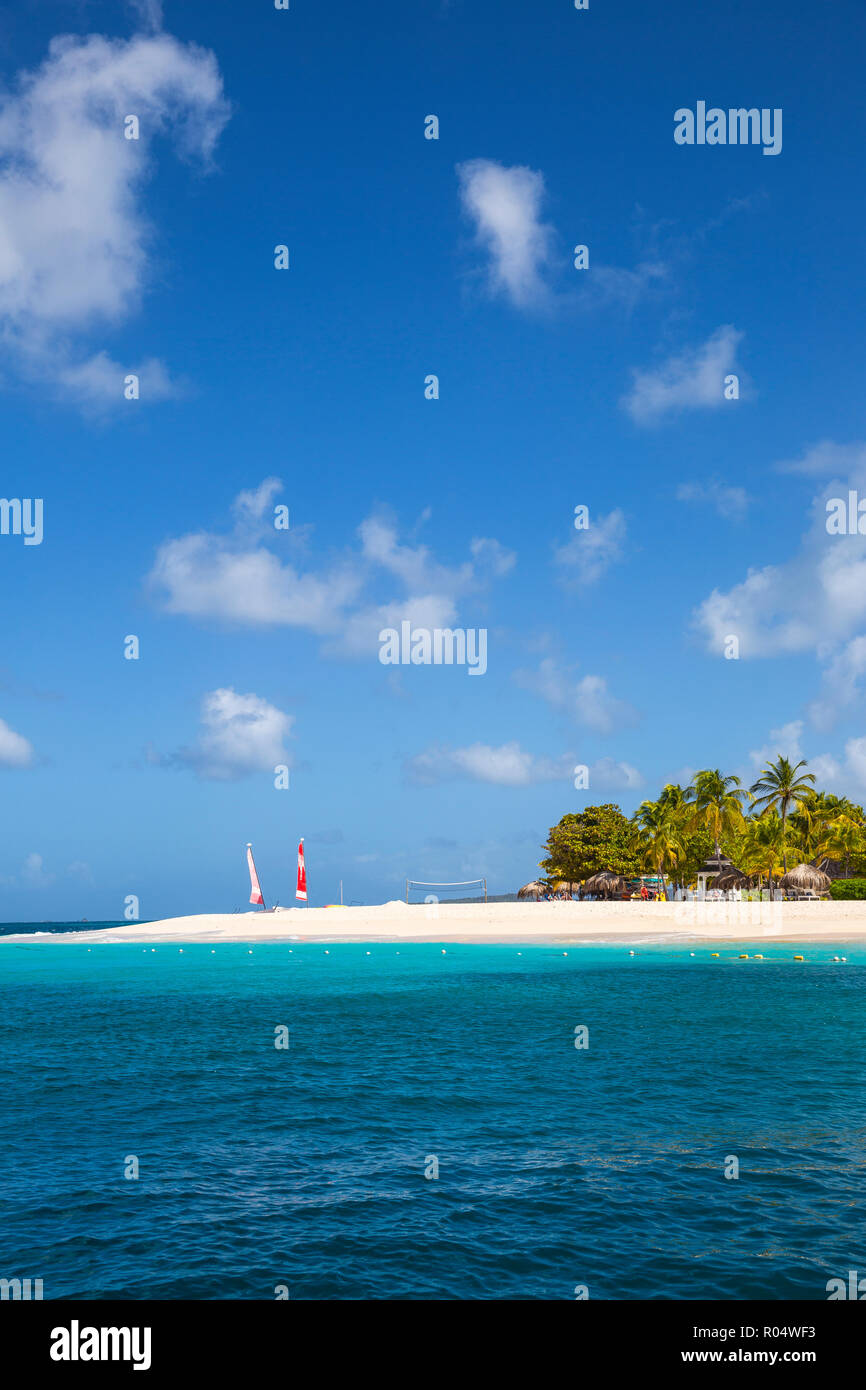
(304, 1167)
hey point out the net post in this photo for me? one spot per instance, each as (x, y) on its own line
(407, 892)
(485, 889)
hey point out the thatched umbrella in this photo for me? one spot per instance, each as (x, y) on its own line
(606, 884)
(805, 876)
(563, 886)
(531, 890)
(731, 878)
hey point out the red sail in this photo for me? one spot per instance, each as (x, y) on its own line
(301, 891)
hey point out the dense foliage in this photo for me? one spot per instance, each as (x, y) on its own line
(780, 821)
(583, 843)
(848, 888)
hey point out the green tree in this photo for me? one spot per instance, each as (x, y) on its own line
(696, 843)
(844, 840)
(585, 842)
(716, 804)
(778, 786)
(761, 848)
(660, 827)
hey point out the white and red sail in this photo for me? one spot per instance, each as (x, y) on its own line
(255, 888)
(301, 890)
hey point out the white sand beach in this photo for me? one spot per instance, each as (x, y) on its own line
(539, 922)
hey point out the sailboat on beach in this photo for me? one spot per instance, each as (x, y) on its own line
(256, 895)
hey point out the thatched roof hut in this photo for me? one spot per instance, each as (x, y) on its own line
(731, 878)
(562, 885)
(531, 890)
(605, 884)
(805, 877)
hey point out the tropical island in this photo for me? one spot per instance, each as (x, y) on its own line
(781, 833)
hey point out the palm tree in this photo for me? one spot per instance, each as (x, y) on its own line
(842, 838)
(779, 786)
(763, 845)
(659, 833)
(715, 803)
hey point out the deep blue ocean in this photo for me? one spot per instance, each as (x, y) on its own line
(304, 1166)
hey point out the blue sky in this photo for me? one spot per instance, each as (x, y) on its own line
(305, 387)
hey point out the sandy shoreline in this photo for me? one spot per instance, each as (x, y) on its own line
(498, 922)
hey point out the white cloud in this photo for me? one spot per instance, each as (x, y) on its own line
(149, 12)
(417, 569)
(33, 872)
(828, 459)
(845, 776)
(15, 750)
(74, 241)
(207, 576)
(586, 555)
(251, 504)
(687, 381)
(814, 600)
(587, 701)
(236, 578)
(80, 870)
(729, 502)
(505, 206)
(241, 734)
(785, 742)
(100, 381)
(509, 765)
(840, 687)
(607, 773)
(359, 634)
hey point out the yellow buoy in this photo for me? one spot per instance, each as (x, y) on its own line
(714, 954)
(744, 957)
(759, 957)
(799, 958)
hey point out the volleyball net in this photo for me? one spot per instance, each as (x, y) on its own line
(473, 890)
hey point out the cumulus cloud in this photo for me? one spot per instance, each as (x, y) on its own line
(99, 381)
(827, 459)
(240, 735)
(509, 765)
(812, 600)
(608, 774)
(15, 749)
(785, 742)
(841, 684)
(587, 554)
(586, 700)
(730, 502)
(74, 239)
(846, 776)
(504, 203)
(687, 381)
(235, 577)
(34, 873)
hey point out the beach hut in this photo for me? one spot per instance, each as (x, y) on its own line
(606, 884)
(714, 867)
(531, 891)
(804, 879)
(731, 878)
